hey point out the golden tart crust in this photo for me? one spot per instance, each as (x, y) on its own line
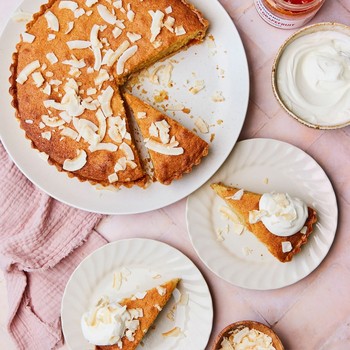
(168, 167)
(151, 304)
(250, 201)
(127, 34)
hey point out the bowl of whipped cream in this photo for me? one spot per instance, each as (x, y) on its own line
(311, 75)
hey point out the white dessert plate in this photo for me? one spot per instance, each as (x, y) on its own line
(220, 62)
(143, 264)
(262, 165)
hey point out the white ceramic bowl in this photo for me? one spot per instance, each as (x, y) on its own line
(318, 27)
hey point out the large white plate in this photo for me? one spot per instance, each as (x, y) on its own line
(144, 259)
(220, 63)
(262, 165)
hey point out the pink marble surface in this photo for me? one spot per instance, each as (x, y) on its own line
(313, 314)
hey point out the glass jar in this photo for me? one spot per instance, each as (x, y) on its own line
(287, 14)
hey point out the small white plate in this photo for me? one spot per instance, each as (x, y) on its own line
(220, 62)
(262, 165)
(146, 263)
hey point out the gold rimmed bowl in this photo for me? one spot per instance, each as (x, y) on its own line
(318, 27)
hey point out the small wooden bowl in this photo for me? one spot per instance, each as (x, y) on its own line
(251, 325)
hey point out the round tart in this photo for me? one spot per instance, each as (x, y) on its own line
(67, 72)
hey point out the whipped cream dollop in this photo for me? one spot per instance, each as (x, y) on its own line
(282, 215)
(106, 323)
(313, 77)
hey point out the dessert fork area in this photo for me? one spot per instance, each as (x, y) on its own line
(311, 314)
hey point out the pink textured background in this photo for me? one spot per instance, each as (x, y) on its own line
(313, 314)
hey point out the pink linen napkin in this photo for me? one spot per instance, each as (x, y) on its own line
(41, 242)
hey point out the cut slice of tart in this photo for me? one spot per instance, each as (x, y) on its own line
(174, 150)
(243, 203)
(151, 303)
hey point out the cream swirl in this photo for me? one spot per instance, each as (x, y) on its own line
(313, 77)
(283, 215)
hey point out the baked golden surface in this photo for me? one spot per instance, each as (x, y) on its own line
(151, 304)
(168, 136)
(249, 202)
(66, 74)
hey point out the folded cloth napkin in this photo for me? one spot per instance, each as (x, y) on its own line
(41, 243)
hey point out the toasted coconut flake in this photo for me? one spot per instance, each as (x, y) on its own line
(68, 132)
(175, 332)
(51, 37)
(168, 10)
(102, 77)
(127, 151)
(112, 56)
(153, 131)
(161, 290)
(198, 86)
(113, 178)
(91, 91)
(238, 195)
(106, 15)
(201, 125)
(52, 58)
(94, 41)
(116, 32)
(127, 54)
(76, 163)
(169, 24)
(256, 215)
(52, 122)
(102, 128)
(28, 38)
(69, 5)
(133, 37)
(118, 4)
(180, 30)
(69, 28)
(47, 89)
(117, 280)
(130, 15)
(104, 146)
(287, 247)
(105, 100)
(218, 97)
(157, 23)
(79, 12)
(163, 149)
(52, 21)
(78, 44)
(303, 230)
(38, 79)
(89, 3)
(46, 135)
(29, 69)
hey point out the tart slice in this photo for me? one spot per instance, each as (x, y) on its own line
(245, 204)
(137, 314)
(173, 149)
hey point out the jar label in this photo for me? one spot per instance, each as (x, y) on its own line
(278, 22)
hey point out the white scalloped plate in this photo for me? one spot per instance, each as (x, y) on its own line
(220, 61)
(262, 165)
(149, 263)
